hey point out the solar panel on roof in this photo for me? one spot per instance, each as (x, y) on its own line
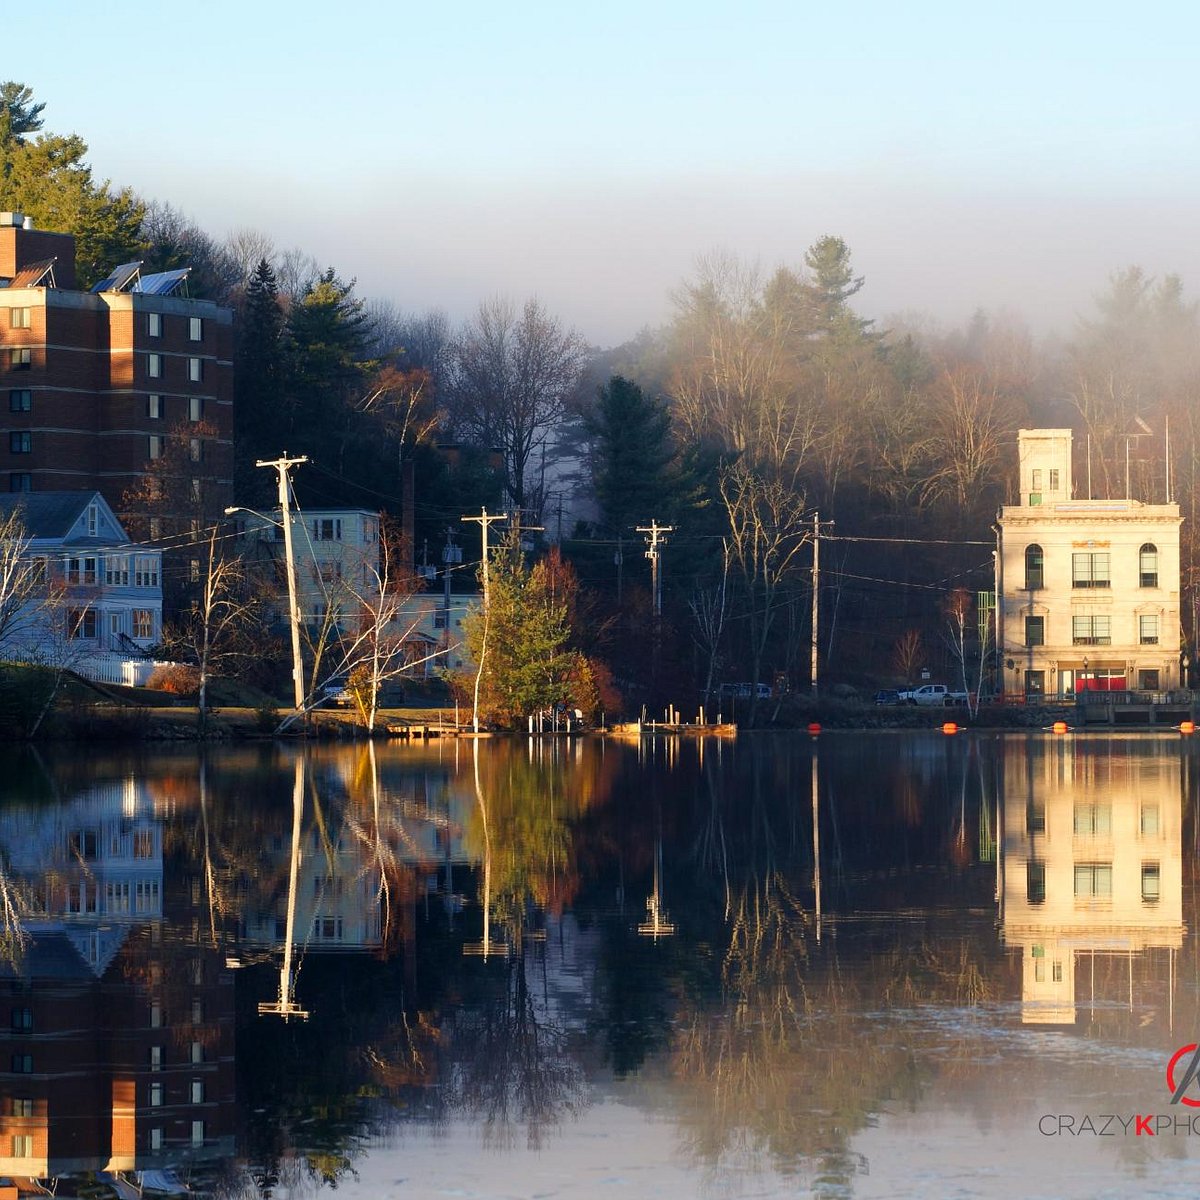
(33, 275)
(161, 284)
(119, 279)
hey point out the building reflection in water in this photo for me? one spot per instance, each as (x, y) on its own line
(1091, 873)
(118, 1051)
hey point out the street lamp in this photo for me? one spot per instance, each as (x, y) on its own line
(293, 602)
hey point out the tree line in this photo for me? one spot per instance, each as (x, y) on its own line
(764, 400)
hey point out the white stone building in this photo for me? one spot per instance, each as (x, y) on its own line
(1089, 588)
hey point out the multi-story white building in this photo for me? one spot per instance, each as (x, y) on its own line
(1089, 588)
(337, 556)
(1091, 867)
(102, 595)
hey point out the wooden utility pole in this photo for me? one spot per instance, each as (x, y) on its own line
(657, 538)
(281, 465)
(484, 520)
(816, 599)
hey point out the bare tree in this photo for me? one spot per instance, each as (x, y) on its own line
(513, 375)
(908, 654)
(959, 609)
(22, 580)
(709, 606)
(218, 630)
(766, 531)
(248, 247)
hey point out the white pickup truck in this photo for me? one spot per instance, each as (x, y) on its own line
(933, 694)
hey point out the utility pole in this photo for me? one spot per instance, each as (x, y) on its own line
(816, 598)
(484, 520)
(282, 464)
(657, 538)
(451, 556)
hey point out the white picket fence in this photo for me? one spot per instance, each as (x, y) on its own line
(114, 668)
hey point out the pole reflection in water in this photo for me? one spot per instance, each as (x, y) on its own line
(751, 1051)
(285, 1006)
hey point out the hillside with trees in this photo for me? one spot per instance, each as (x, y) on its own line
(765, 401)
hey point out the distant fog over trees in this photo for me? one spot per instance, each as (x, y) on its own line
(766, 398)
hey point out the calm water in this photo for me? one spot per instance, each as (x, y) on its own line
(870, 965)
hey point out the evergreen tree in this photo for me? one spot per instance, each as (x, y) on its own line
(48, 180)
(327, 333)
(258, 386)
(521, 640)
(632, 465)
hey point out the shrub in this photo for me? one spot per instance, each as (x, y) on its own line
(177, 678)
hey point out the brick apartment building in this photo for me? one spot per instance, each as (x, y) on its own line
(96, 385)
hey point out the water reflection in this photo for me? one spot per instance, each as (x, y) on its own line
(772, 950)
(1093, 876)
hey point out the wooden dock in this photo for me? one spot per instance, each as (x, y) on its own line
(641, 729)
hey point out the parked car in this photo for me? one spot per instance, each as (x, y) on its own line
(335, 693)
(887, 696)
(743, 691)
(933, 694)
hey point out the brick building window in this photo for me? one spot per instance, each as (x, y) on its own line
(154, 366)
(195, 369)
(195, 408)
(22, 1145)
(20, 400)
(20, 481)
(20, 441)
(195, 329)
(19, 318)
(20, 358)
(156, 446)
(22, 1106)
(195, 450)
(22, 1020)
(154, 406)
(1148, 629)
(22, 1064)
(154, 324)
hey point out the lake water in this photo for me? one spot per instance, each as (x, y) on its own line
(868, 965)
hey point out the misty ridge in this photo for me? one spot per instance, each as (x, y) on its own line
(763, 398)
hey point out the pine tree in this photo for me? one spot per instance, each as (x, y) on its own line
(259, 419)
(48, 180)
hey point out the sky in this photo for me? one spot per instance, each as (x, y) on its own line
(1009, 157)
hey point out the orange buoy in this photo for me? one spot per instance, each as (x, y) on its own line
(814, 727)
(1060, 727)
(1187, 726)
(949, 727)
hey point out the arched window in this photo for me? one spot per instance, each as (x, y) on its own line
(1148, 565)
(1033, 567)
